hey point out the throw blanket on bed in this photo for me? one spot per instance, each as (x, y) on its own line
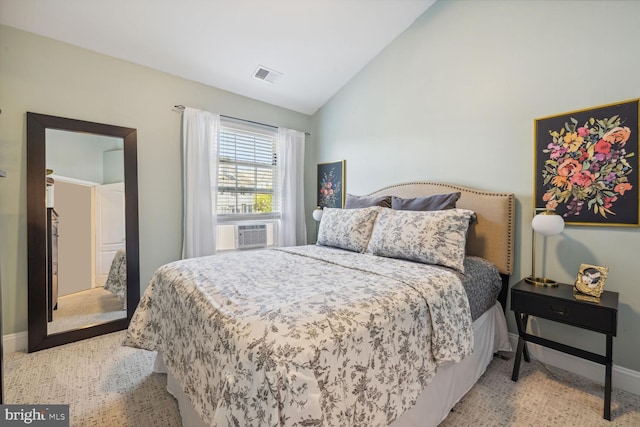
(304, 336)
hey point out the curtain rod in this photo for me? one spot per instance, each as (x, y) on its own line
(180, 108)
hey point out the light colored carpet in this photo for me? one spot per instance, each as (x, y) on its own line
(543, 396)
(89, 307)
(110, 385)
(104, 383)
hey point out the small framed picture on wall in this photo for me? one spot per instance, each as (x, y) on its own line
(331, 184)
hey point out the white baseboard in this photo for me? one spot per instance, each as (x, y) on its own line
(15, 342)
(622, 378)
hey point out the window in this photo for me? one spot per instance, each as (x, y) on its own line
(247, 179)
(247, 173)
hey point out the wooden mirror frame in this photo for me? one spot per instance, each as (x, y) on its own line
(37, 124)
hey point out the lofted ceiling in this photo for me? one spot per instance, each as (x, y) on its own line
(317, 45)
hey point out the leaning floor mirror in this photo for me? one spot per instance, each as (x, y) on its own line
(82, 229)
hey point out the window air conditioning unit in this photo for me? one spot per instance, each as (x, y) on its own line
(251, 236)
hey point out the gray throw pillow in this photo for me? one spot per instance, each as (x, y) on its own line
(359, 202)
(436, 202)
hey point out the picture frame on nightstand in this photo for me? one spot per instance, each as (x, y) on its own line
(590, 280)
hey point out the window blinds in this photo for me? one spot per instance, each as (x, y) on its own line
(247, 173)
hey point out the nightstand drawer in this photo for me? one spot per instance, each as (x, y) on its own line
(575, 313)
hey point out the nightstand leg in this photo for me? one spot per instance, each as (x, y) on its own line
(607, 379)
(516, 361)
(525, 349)
(521, 322)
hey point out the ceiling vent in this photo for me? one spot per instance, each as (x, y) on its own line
(266, 74)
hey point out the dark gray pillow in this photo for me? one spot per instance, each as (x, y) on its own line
(437, 202)
(358, 202)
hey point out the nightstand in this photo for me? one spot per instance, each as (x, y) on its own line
(560, 305)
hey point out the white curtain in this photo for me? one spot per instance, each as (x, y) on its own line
(292, 230)
(200, 180)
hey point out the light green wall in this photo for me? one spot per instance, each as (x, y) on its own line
(44, 76)
(454, 98)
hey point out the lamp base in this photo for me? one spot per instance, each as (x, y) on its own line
(541, 281)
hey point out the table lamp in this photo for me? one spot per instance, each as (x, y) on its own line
(317, 216)
(547, 223)
(317, 213)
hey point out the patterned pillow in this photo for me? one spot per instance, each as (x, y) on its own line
(437, 202)
(348, 229)
(355, 202)
(430, 237)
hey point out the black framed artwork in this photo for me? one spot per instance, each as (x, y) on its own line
(586, 165)
(331, 184)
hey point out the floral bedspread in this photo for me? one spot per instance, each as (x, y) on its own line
(117, 278)
(304, 336)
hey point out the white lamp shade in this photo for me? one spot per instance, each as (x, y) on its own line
(317, 214)
(547, 223)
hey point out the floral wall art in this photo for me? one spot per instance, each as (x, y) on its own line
(586, 165)
(331, 184)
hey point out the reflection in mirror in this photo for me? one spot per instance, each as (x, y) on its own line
(82, 229)
(86, 225)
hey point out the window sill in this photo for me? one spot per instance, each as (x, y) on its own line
(223, 251)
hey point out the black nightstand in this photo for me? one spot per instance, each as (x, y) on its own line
(560, 305)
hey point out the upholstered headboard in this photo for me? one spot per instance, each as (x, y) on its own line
(491, 236)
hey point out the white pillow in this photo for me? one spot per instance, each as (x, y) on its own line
(429, 237)
(348, 229)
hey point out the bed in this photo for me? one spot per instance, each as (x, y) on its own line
(347, 332)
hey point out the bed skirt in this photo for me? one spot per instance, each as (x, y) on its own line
(451, 383)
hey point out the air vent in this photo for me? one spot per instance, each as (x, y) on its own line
(266, 74)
